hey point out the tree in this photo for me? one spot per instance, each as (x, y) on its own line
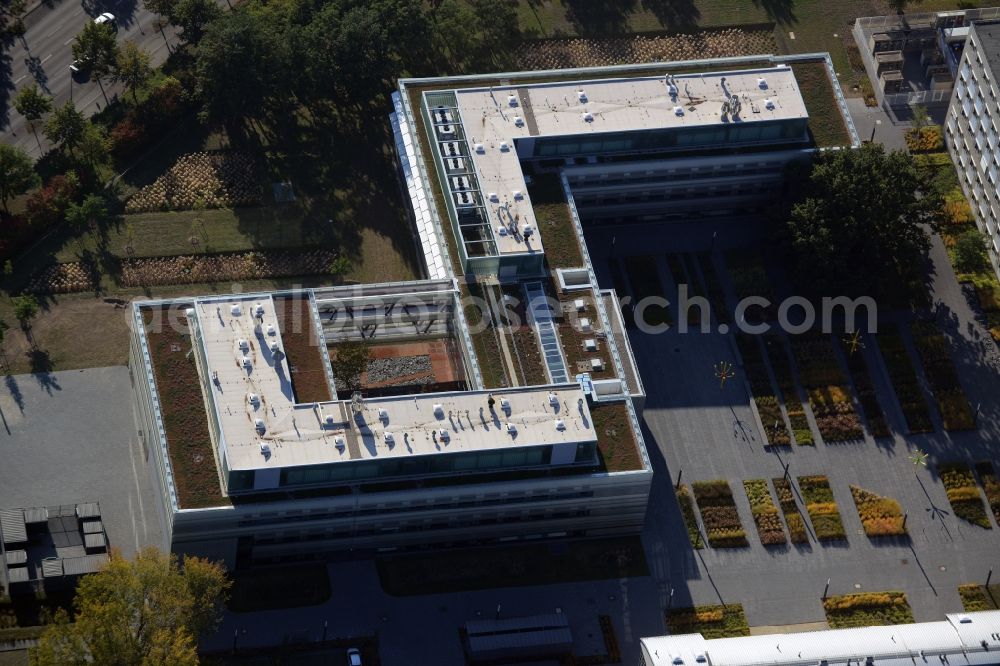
(900, 5)
(970, 252)
(3, 330)
(132, 67)
(497, 24)
(192, 16)
(858, 221)
(340, 267)
(90, 212)
(25, 309)
(161, 7)
(96, 46)
(921, 118)
(65, 127)
(17, 173)
(351, 360)
(146, 611)
(93, 147)
(32, 104)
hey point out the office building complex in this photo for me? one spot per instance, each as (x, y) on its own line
(972, 129)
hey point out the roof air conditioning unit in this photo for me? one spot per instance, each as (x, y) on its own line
(518, 121)
(339, 442)
(258, 310)
(553, 398)
(582, 96)
(479, 148)
(388, 438)
(518, 195)
(247, 363)
(597, 364)
(678, 110)
(590, 344)
(504, 146)
(244, 345)
(580, 305)
(527, 230)
(383, 414)
(328, 419)
(273, 346)
(444, 435)
(259, 424)
(587, 117)
(236, 311)
(501, 231)
(253, 399)
(762, 83)
(493, 196)
(511, 428)
(584, 324)
(438, 410)
(271, 330)
(512, 100)
(265, 449)
(505, 404)
(560, 425)
(768, 103)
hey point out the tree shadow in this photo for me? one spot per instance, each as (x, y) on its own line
(779, 11)
(37, 71)
(15, 392)
(674, 14)
(592, 17)
(41, 368)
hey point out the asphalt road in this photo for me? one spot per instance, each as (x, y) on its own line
(44, 53)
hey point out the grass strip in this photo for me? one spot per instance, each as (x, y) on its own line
(716, 294)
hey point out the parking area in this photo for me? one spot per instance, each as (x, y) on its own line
(69, 437)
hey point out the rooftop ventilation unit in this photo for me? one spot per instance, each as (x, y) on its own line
(587, 117)
(518, 121)
(388, 438)
(580, 305)
(479, 148)
(560, 425)
(236, 310)
(438, 410)
(383, 414)
(678, 110)
(271, 330)
(504, 147)
(596, 364)
(553, 398)
(329, 420)
(501, 231)
(258, 310)
(590, 344)
(511, 428)
(259, 424)
(768, 103)
(518, 195)
(584, 324)
(247, 363)
(582, 96)
(505, 404)
(339, 442)
(189, 312)
(762, 84)
(244, 344)
(444, 435)
(527, 230)
(253, 399)
(273, 346)
(265, 449)
(494, 197)
(512, 100)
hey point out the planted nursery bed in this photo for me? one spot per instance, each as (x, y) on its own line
(939, 368)
(765, 514)
(686, 505)
(963, 493)
(645, 278)
(716, 295)
(793, 517)
(991, 485)
(860, 372)
(822, 509)
(761, 391)
(880, 516)
(718, 513)
(726, 621)
(976, 597)
(868, 609)
(786, 384)
(750, 279)
(904, 380)
(826, 387)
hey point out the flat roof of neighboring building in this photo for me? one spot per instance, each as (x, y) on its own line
(989, 36)
(494, 117)
(964, 635)
(264, 428)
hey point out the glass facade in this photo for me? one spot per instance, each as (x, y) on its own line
(670, 138)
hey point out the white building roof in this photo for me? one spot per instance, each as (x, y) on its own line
(961, 637)
(494, 117)
(263, 427)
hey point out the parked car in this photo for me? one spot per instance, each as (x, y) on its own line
(107, 18)
(354, 657)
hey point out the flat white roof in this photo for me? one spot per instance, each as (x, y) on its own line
(960, 637)
(316, 433)
(493, 120)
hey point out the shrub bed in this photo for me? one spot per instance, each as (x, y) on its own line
(924, 139)
(718, 513)
(827, 389)
(676, 264)
(991, 485)
(65, 278)
(821, 507)
(860, 373)
(765, 514)
(760, 389)
(645, 278)
(939, 368)
(904, 380)
(880, 516)
(201, 180)
(793, 517)
(963, 493)
(975, 597)
(750, 279)
(188, 269)
(786, 384)
(716, 295)
(868, 609)
(710, 621)
(690, 520)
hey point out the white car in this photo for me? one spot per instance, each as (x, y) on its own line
(107, 18)
(354, 657)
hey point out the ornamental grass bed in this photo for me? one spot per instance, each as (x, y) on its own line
(826, 387)
(782, 367)
(644, 276)
(793, 517)
(880, 516)
(686, 505)
(939, 368)
(904, 380)
(719, 515)
(710, 621)
(201, 180)
(233, 267)
(867, 609)
(821, 507)
(761, 391)
(857, 366)
(716, 294)
(991, 486)
(746, 269)
(963, 493)
(765, 513)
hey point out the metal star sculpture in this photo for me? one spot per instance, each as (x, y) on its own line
(919, 458)
(854, 342)
(724, 371)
